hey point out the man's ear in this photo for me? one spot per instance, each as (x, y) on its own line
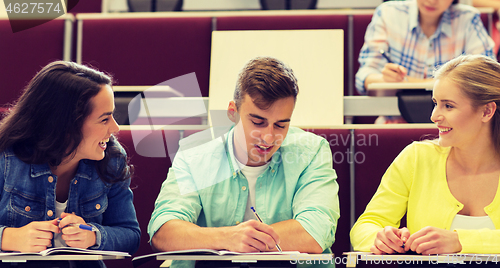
(232, 112)
(489, 110)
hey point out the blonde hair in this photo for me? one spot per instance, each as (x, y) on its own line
(478, 77)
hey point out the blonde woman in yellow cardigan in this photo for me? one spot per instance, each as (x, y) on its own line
(447, 187)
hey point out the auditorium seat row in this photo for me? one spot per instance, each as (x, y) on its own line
(360, 158)
(149, 48)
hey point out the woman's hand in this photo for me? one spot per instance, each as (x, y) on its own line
(33, 237)
(73, 235)
(390, 240)
(394, 73)
(432, 240)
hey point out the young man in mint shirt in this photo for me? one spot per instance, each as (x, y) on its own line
(283, 172)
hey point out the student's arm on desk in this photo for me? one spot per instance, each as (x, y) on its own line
(249, 236)
(244, 237)
(33, 237)
(294, 237)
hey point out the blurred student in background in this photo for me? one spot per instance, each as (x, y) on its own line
(407, 40)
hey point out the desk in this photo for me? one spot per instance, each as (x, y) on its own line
(414, 99)
(245, 259)
(402, 85)
(354, 257)
(62, 257)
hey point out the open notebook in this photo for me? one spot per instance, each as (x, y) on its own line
(66, 250)
(213, 252)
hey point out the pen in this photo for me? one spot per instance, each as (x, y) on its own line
(81, 226)
(382, 52)
(258, 218)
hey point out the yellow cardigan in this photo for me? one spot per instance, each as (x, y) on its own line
(415, 183)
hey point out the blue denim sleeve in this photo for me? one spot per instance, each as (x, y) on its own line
(119, 230)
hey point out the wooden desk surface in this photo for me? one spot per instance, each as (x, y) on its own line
(302, 257)
(61, 257)
(402, 85)
(354, 257)
(245, 257)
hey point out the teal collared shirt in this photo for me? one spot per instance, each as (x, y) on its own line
(205, 186)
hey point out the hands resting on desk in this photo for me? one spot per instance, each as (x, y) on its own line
(429, 240)
(37, 235)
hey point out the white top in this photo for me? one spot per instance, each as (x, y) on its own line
(472, 222)
(251, 174)
(60, 208)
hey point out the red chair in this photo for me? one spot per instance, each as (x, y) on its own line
(339, 140)
(374, 151)
(147, 51)
(25, 52)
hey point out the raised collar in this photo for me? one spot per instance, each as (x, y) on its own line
(84, 170)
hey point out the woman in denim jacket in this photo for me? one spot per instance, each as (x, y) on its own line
(61, 165)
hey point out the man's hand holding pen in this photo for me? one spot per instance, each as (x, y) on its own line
(251, 236)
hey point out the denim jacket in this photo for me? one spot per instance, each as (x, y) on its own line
(29, 194)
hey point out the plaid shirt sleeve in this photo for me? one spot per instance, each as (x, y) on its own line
(370, 60)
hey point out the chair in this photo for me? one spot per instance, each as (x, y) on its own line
(149, 174)
(146, 50)
(340, 140)
(374, 151)
(359, 24)
(82, 6)
(25, 52)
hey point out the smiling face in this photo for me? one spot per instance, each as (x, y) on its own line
(259, 133)
(460, 124)
(433, 9)
(98, 126)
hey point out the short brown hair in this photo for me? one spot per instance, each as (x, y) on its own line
(265, 80)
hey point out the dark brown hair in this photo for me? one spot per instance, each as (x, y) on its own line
(45, 125)
(265, 80)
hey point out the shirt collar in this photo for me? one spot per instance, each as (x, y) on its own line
(235, 169)
(413, 13)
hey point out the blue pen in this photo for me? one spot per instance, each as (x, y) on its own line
(258, 218)
(382, 52)
(81, 226)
